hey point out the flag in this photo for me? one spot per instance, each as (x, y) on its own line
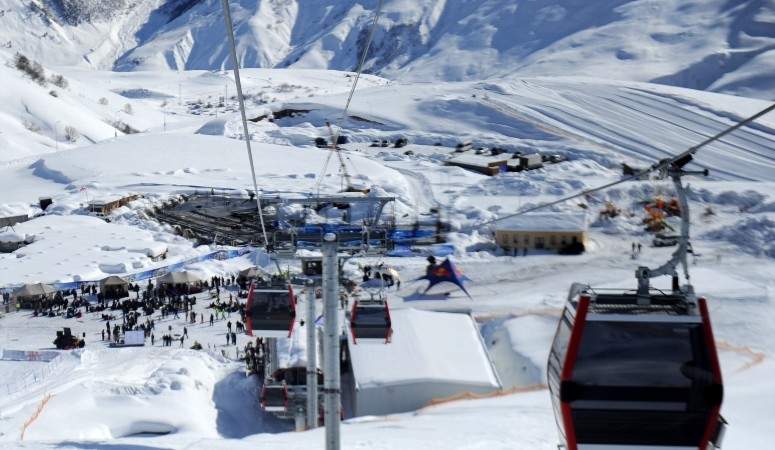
(446, 271)
(83, 188)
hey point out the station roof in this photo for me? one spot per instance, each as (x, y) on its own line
(572, 222)
(479, 160)
(426, 346)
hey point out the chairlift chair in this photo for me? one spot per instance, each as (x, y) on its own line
(271, 310)
(370, 320)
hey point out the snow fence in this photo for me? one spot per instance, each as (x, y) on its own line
(51, 357)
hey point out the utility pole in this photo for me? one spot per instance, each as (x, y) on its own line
(115, 125)
(56, 135)
(331, 383)
(312, 364)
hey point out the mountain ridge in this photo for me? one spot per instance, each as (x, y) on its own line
(421, 40)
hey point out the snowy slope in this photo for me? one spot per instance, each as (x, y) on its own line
(585, 98)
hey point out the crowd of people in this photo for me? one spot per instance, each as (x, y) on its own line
(255, 357)
(143, 309)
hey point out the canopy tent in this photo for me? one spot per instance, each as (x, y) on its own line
(183, 277)
(251, 273)
(394, 273)
(114, 287)
(32, 290)
(446, 271)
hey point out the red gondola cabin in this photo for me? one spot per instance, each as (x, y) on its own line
(271, 309)
(632, 373)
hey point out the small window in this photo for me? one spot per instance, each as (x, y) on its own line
(515, 239)
(552, 241)
(527, 239)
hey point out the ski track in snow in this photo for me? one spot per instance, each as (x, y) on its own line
(633, 112)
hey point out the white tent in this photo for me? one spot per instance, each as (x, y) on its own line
(250, 273)
(179, 278)
(32, 290)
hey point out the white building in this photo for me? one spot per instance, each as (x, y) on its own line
(431, 356)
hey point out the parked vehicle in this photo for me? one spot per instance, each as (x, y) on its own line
(664, 240)
(529, 162)
(65, 340)
(574, 248)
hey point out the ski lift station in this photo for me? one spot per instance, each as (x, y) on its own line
(425, 357)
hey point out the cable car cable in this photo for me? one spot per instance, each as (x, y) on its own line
(246, 131)
(343, 118)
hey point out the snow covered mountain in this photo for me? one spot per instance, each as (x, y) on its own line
(105, 98)
(715, 45)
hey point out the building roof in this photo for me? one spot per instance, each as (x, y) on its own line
(152, 250)
(479, 160)
(544, 222)
(104, 199)
(12, 236)
(426, 347)
(14, 210)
